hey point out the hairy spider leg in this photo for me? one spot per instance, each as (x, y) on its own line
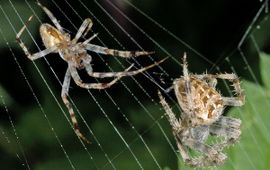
(213, 156)
(64, 95)
(226, 127)
(90, 38)
(175, 124)
(72, 72)
(113, 52)
(79, 82)
(52, 17)
(210, 79)
(25, 49)
(169, 113)
(187, 83)
(239, 100)
(84, 28)
(117, 74)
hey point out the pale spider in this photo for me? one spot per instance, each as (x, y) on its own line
(56, 40)
(202, 106)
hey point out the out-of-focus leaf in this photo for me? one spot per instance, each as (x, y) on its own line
(251, 152)
(6, 97)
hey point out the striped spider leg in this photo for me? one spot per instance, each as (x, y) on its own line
(56, 40)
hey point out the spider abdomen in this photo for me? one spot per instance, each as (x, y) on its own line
(51, 36)
(206, 103)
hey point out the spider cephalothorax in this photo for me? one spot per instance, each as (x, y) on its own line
(202, 107)
(56, 40)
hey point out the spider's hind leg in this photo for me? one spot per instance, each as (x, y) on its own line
(211, 156)
(64, 95)
(119, 74)
(227, 127)
(75, 75)
(113, 52)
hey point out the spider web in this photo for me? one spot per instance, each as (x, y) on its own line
(125, 123)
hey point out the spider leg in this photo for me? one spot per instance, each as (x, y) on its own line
(232, 101)
(175, 126)
(210, 78)
(84, 28)
(187, 82)
(89, 39)
(169, 89)
(211, 156)
(198, 146)
(239, 100)
(113, 52)
(26, 51)
(228, 122)
(117, 74)
(183, 150)
(79, 82)
(227, 127)
(169, 113)
(185, 65)
(205, 161)
(51, 16)
(38, 54)
(64, 95)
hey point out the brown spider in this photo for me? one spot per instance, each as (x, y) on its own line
(56, 40)
(202, 107)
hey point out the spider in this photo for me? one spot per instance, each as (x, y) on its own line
(56, 40)
(202, 107)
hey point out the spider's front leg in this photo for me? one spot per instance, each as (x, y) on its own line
(26, 51)
(239, 100)
(176, 126)
(187, 87)
(79, 82)
(64, 95)
(210, 79)
(52, 17)
(119, 74)
(169, 113)
(113, 52)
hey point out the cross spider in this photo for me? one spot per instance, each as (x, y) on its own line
(56, 40)
(202, 107)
